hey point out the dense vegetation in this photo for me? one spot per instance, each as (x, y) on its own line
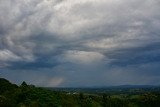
(25, 95)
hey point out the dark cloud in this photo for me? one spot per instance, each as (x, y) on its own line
(80, 43)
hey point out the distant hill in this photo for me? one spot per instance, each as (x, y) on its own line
(106, 88)
(134, 86)
(5, 85)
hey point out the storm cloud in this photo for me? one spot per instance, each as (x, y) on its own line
(73, 43)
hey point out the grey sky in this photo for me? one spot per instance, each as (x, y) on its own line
(80, 42)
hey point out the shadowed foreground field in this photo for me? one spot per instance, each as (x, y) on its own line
(25, 95)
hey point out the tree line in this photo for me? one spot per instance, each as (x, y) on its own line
(25, 95)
